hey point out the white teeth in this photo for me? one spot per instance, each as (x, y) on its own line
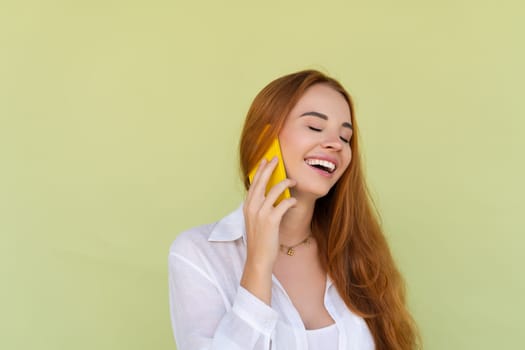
(324, 163)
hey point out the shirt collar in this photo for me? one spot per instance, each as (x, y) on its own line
(229, 228)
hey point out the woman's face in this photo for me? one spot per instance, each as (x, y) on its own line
(315, 141)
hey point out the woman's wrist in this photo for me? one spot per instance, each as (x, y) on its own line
(257, 279)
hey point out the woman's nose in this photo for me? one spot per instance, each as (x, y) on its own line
(333, 142)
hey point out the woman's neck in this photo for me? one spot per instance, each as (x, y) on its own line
(296, 223)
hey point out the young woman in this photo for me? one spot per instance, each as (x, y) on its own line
(313, 271)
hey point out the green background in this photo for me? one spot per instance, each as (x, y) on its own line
(119, 124)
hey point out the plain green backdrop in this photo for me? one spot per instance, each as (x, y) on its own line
(119, 124)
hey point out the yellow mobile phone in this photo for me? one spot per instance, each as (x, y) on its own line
(278, 174)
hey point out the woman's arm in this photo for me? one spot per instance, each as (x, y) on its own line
(262, 221)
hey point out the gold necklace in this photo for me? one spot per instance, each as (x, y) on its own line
(290, 250)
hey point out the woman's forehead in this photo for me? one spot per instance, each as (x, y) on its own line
(325, 100)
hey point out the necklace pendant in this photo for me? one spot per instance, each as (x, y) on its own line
(290, 252)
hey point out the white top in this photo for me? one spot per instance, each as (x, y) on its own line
(322, 338)
(210, 310)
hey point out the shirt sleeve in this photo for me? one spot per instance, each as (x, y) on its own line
(202, 319)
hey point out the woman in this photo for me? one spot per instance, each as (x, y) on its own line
(312, 272)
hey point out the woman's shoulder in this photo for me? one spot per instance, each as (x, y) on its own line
(200, 238)
(191, 239)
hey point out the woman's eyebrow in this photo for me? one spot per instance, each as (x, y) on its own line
(325, 117)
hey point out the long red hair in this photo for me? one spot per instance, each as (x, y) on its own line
(352, 247)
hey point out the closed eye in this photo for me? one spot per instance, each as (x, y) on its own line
(314, 129)
(344, 140)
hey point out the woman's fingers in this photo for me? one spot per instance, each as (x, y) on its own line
(283, 207)
(277, 190)
(257, 196)
(261, 178)
(257, 174)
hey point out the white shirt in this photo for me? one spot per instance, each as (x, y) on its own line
(323, 338)
(210, 310)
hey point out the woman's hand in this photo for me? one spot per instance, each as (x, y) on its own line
(262, 221)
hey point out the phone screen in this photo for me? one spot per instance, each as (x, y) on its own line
(279, 173)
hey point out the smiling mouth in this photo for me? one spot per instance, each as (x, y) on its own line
(321, 164)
